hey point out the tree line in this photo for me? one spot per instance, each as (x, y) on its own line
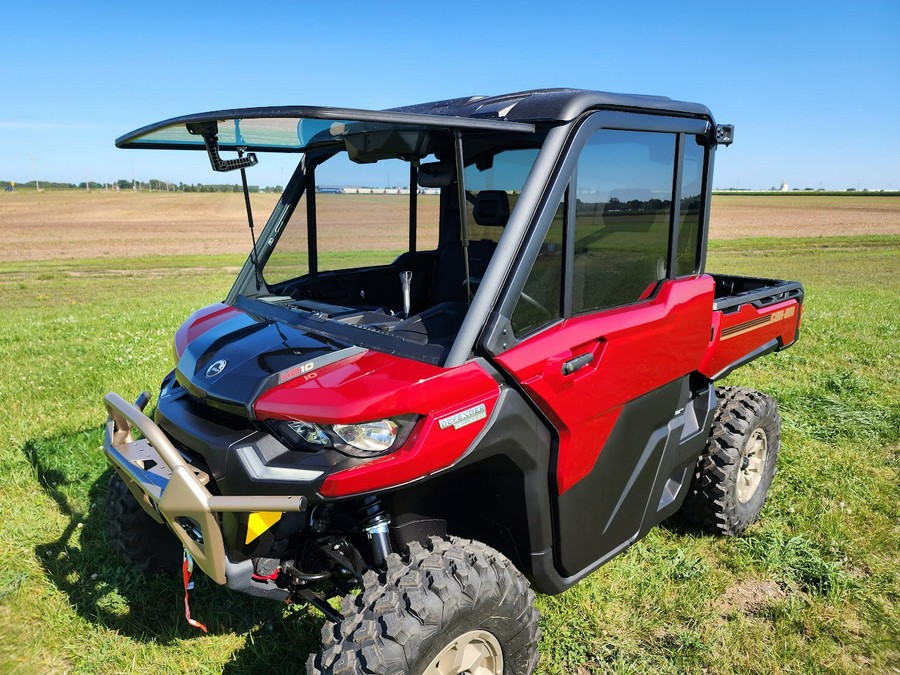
(152, 185)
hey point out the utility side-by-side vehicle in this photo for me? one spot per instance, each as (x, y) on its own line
(431, 401)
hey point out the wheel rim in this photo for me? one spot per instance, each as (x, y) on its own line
(753, 463)
(474, 653)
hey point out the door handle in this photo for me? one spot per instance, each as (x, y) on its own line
(578, 362)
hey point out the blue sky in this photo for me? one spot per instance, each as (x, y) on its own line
(813, 88)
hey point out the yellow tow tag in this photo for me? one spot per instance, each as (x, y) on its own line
(259, 522)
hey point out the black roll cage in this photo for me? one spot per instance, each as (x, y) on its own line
(487, 323)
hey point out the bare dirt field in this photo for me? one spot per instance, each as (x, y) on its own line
(738, 216)
(74, 225)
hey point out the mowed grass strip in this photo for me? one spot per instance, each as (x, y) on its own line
(812, 588)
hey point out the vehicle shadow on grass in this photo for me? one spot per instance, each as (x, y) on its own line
(678, 524)
(102, 589)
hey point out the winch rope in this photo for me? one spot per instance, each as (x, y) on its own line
(187, 569)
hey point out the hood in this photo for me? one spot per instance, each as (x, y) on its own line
(230, 364)
(265, 369)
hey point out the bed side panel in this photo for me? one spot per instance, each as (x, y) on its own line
(738, 333)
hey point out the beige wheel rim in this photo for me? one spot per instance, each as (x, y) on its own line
(753, 463)
(474, 653)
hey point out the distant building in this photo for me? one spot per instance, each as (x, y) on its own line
(785, 187)
(356, 190)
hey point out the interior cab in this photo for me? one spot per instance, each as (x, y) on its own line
(417, 290)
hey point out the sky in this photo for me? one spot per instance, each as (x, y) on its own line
(813, 88)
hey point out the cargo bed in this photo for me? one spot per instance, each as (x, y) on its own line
(732, 291)
(751, 317)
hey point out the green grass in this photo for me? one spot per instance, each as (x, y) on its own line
(827, 542)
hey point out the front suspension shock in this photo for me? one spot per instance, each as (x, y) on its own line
(376, 524)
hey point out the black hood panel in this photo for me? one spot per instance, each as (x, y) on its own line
(232, 364)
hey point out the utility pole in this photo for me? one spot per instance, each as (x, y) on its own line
(37, 185)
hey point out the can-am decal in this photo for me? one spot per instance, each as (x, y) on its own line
(216, 368)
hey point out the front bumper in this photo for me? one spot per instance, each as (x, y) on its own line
(174, 492)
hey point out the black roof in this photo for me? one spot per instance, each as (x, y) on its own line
(552, 105)
(516, 112)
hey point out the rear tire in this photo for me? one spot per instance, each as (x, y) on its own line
(148, 546)
(735, 470)
(450, 601)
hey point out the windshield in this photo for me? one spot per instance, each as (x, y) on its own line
(274, 133)
(362, 216)
(370, 239)
(292, 128)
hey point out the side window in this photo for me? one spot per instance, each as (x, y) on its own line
(539, 303)
(622, 215)
(687, 251)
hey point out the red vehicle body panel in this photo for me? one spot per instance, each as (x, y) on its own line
(199, 322)
(353, 390)
(428, 450)
(636, 349)
(372, 386)
(738, 333)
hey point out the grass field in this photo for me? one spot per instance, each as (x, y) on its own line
(812, 588)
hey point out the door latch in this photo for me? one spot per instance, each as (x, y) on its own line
(572, 365)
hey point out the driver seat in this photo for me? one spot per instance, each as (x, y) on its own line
(490, 209)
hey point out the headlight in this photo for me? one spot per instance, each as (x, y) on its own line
(363, 440)
(309, 432)
(369, 438)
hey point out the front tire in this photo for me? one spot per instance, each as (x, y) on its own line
(148, 546)
(735, 470)
(449, 607)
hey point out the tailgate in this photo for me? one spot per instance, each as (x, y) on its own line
(751, 317)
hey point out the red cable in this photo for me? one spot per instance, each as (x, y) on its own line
(187, 568)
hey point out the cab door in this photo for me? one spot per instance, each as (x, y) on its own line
(610, 322)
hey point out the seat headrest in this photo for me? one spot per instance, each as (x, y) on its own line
(491, 208)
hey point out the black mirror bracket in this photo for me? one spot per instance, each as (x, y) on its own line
(209, 131)
(724, 134)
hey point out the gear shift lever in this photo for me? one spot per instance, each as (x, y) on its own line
(406, 283)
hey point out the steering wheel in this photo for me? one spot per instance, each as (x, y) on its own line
(474, 282)
(547, 314)
(544, 312)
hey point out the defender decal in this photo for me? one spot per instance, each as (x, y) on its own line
(464, 418)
